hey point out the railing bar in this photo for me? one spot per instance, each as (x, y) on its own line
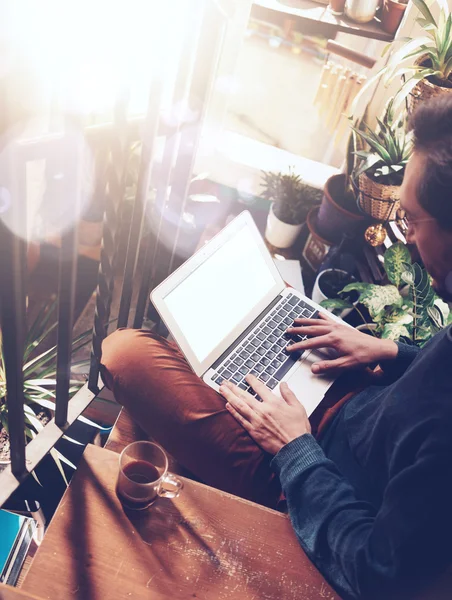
(172, 144)
(66, 305)
(145, 285)
(110, 184)
(139, 208)
(13, 268)
(202, 83)
(13, 320)
(185, 69)
(69, 161)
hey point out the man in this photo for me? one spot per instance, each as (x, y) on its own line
(370, 498)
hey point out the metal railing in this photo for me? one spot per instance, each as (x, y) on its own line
(169, 181)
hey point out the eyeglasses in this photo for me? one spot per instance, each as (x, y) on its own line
(403, 221)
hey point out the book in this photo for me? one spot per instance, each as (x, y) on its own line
(16, 533)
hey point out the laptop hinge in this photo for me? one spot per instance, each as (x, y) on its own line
(219, 360)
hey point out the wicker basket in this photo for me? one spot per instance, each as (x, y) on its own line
(378, 200)
(424, 90)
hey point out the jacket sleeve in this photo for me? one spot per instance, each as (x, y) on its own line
(363, 552)
(393, 369)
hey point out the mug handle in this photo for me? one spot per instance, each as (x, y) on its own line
(174, 482)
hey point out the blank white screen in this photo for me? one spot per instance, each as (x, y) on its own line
(215, 298)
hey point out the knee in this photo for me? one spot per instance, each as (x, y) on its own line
(125, 352)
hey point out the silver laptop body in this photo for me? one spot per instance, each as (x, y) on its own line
(228, 309)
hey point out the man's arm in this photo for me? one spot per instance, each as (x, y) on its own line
(365, 553)
(353, 348)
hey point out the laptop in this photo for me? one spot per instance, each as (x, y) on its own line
(228, 309)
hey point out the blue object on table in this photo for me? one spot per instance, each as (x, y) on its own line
(15, 536)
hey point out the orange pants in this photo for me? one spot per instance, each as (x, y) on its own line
(151, 378)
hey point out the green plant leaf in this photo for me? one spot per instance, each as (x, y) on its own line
(377, 297)
(40, 323)
(375, 144)
(394, 331)
(395, 259)
(414, 44)
(436, 316)
(56, 457)
(336, 305)
(69, 439)
(424, 9)
(357, 286)
(447, 68)
(443, 307)
(92, 423)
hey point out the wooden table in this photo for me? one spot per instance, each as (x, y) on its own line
(11, 593)
(205, 544)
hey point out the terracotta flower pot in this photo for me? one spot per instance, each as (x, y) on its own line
(392, 15)
(337, 7)
(333, 220)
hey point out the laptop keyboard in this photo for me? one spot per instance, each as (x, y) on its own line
(262, 353)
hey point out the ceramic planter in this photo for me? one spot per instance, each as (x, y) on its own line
(280, 234)
(361, 11)
(333, 220)
(319, 293)
(391, 16)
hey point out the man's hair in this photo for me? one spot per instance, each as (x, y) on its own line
(432, 127)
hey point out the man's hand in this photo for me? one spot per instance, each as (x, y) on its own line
(272, 423)
(354, 348)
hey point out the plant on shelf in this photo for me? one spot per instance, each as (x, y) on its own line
(39, 373)
(407, 309)
(392, 14)
(381, 167)
(431, 73)
(339, 212)
(291, 199)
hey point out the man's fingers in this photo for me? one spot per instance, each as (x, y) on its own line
(324, 366)
(238, 403)
(259, 387)
(326, 318)
(322, 341)
(288, 395)
(306, 330)
(310, 322)
(238, 417)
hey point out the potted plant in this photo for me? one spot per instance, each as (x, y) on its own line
(39, 371)
(291, 199)
(392, 14)
(338, 212)
(328, 286)
(407, 309)
(431, 73)
(380, 174)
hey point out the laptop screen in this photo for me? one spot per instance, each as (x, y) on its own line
(219, 293)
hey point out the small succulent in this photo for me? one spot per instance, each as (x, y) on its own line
(292, 197)
(390, 148)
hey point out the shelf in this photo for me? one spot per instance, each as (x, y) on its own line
(316, 16)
